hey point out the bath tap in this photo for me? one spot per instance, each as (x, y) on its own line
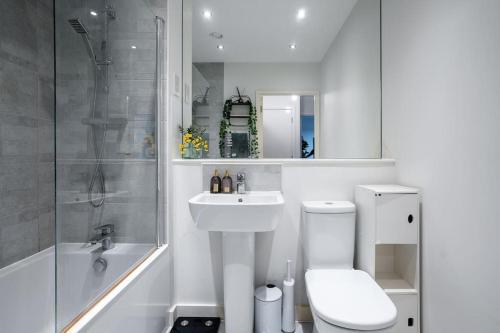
(104, 238)
(240, 183)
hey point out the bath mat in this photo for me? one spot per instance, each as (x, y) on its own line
(196, 325)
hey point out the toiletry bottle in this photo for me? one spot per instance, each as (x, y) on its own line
(215, 183)
(227, 183)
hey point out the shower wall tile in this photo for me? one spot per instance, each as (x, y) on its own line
(131, 180)
(45, 98)
(18, 28)
(208, 116)
(46, 228)
(74, 218)
(26, 128)
(17, 85)
(18, 240)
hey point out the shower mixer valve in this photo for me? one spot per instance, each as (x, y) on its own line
(104, 238)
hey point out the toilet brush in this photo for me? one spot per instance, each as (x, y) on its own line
(288, 318)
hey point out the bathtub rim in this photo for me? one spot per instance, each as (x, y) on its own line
(20, 264)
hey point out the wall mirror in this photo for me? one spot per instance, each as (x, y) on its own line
(282, 78)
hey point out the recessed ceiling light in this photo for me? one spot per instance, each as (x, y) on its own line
(301, 14)
(220, 47)
(207, 13)
(133, 47)
(292, 46)
(93, 13)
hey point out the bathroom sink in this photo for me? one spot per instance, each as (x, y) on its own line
(238, 217)
(254, 211)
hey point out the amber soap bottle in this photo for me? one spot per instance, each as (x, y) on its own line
(215, 183)
(227, 183)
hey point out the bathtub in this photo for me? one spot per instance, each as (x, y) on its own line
(27, 294)
(27, 287)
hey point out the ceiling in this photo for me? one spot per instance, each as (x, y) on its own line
(262, 30)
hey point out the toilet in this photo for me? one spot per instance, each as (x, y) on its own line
(342, 299)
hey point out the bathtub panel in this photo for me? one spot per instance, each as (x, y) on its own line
(27, 290)
(142, 306)
(79, 284)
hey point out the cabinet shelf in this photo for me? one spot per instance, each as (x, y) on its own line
(392, 283)
(395, 268)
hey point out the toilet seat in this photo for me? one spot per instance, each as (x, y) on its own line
(350, 299)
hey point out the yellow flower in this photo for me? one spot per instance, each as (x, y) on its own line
(181, 148)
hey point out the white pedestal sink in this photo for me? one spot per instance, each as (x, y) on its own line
(238, 217)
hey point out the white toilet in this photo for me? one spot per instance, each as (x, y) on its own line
(342, 299)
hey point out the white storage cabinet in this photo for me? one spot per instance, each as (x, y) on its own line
(388, 246)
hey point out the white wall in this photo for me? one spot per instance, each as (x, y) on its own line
(187, 61)
(175, 67)
(250, 77)
(198, 254)
(350, 87)
(441, 120)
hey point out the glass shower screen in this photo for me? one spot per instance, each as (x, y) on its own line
(109, 57)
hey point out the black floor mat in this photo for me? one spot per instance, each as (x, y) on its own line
(196, 325)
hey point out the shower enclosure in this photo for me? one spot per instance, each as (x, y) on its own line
(81, 85)
(108, 75)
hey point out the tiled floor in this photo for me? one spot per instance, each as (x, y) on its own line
(301, 328)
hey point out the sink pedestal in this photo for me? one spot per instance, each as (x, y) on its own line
(238, 217)
(239, 271)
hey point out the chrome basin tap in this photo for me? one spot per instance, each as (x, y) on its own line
(106, 231)
(240, 183)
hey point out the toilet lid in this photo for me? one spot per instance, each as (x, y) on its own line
(349, 299)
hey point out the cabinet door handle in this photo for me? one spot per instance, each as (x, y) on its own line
(410, 218)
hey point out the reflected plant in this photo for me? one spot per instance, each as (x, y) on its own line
(192, 139)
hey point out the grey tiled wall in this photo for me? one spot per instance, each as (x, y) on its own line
(26, 129)
(259, 177)
(130, 175)
(209, 115)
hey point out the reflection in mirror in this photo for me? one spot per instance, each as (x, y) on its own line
(274, 79)
(287, 128)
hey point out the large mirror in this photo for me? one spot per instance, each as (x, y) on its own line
(281, 79)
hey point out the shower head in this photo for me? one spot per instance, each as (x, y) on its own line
(80, 29)
(78, 26)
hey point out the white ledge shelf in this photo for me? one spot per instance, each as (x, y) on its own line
(392, 283)
(362, 162)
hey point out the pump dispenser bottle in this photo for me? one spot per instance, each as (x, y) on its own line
(215, 183)
(227, 183)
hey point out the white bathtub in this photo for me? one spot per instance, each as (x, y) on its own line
(27, 288)
(27, 295)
